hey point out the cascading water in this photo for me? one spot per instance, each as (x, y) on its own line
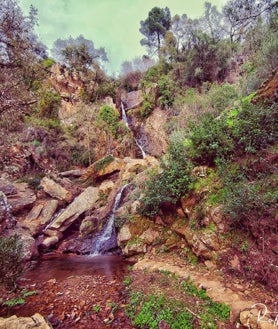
(137, 141)
(107, 239)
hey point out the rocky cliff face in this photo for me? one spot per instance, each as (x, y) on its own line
(65, 210)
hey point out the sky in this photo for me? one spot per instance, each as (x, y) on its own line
(112, 24)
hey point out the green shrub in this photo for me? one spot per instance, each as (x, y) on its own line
(110, 118)
(104, 162)
(164, 188)
(11, 260)
(256, 127)
(209, 138)
(251, 204)
(48, 103)
(80, 156)
(166, 91)
(222, 96)
(48, 62)
(146, 108)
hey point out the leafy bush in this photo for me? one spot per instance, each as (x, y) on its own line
(47, 63)
(146, 108)
(250, 205)
(209, 139)
(166, 90)
(222, 96)
(11, 260)
(48, 103)
(256, 127)
(110, 118)
(166, 187)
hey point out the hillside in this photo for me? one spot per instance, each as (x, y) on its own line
(173, 167)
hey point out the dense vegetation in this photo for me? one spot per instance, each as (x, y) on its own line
(204, 73)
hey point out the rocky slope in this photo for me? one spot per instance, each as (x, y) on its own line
(65, 210)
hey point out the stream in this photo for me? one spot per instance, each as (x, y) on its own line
(60, 267)
(77, 292)
(138, 141)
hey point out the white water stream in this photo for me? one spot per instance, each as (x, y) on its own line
(137, 141)
(106, 240)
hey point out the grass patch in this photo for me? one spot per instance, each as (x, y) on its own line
(160, 298)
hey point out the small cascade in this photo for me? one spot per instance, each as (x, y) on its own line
(137, 141)
(124, 117)
(107, 240)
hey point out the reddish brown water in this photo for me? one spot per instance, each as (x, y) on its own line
(77, 292)
(60, 267)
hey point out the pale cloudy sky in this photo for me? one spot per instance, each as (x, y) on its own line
(112, 24)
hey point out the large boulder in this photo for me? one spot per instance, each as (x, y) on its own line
(133, 99)
(7, 187)
(204, 243)
(40, 216)
(23, 198)
(103, 168)
(36, 321)
(55, 190)
(30, 249)
(85, 201)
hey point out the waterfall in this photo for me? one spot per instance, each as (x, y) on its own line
(106, 240)
(137, 141)
(124, 117)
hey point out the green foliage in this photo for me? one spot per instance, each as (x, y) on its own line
(165, 91)
(32, 181)
(26, 293)
(14, 301)
(146, 107)
(106, 88)
(155, 27)
(96, 308)
(47, 63)
(166, 187)
(78, 53)
(156, 308)
(191, 289)
(127, 281)
(264, 43)
(79, 156)
(211, 311)
(11, 260)
(256, 127)
(209, 139)
(248, 203)
(147, 311)
(20, 299)
(222, 96)
(154, 73)
(110, 118)
(52, 124)
(48, 103)
(102, 163)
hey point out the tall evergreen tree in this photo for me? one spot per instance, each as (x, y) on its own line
(154, 28)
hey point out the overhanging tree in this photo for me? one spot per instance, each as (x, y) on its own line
(20, 54)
